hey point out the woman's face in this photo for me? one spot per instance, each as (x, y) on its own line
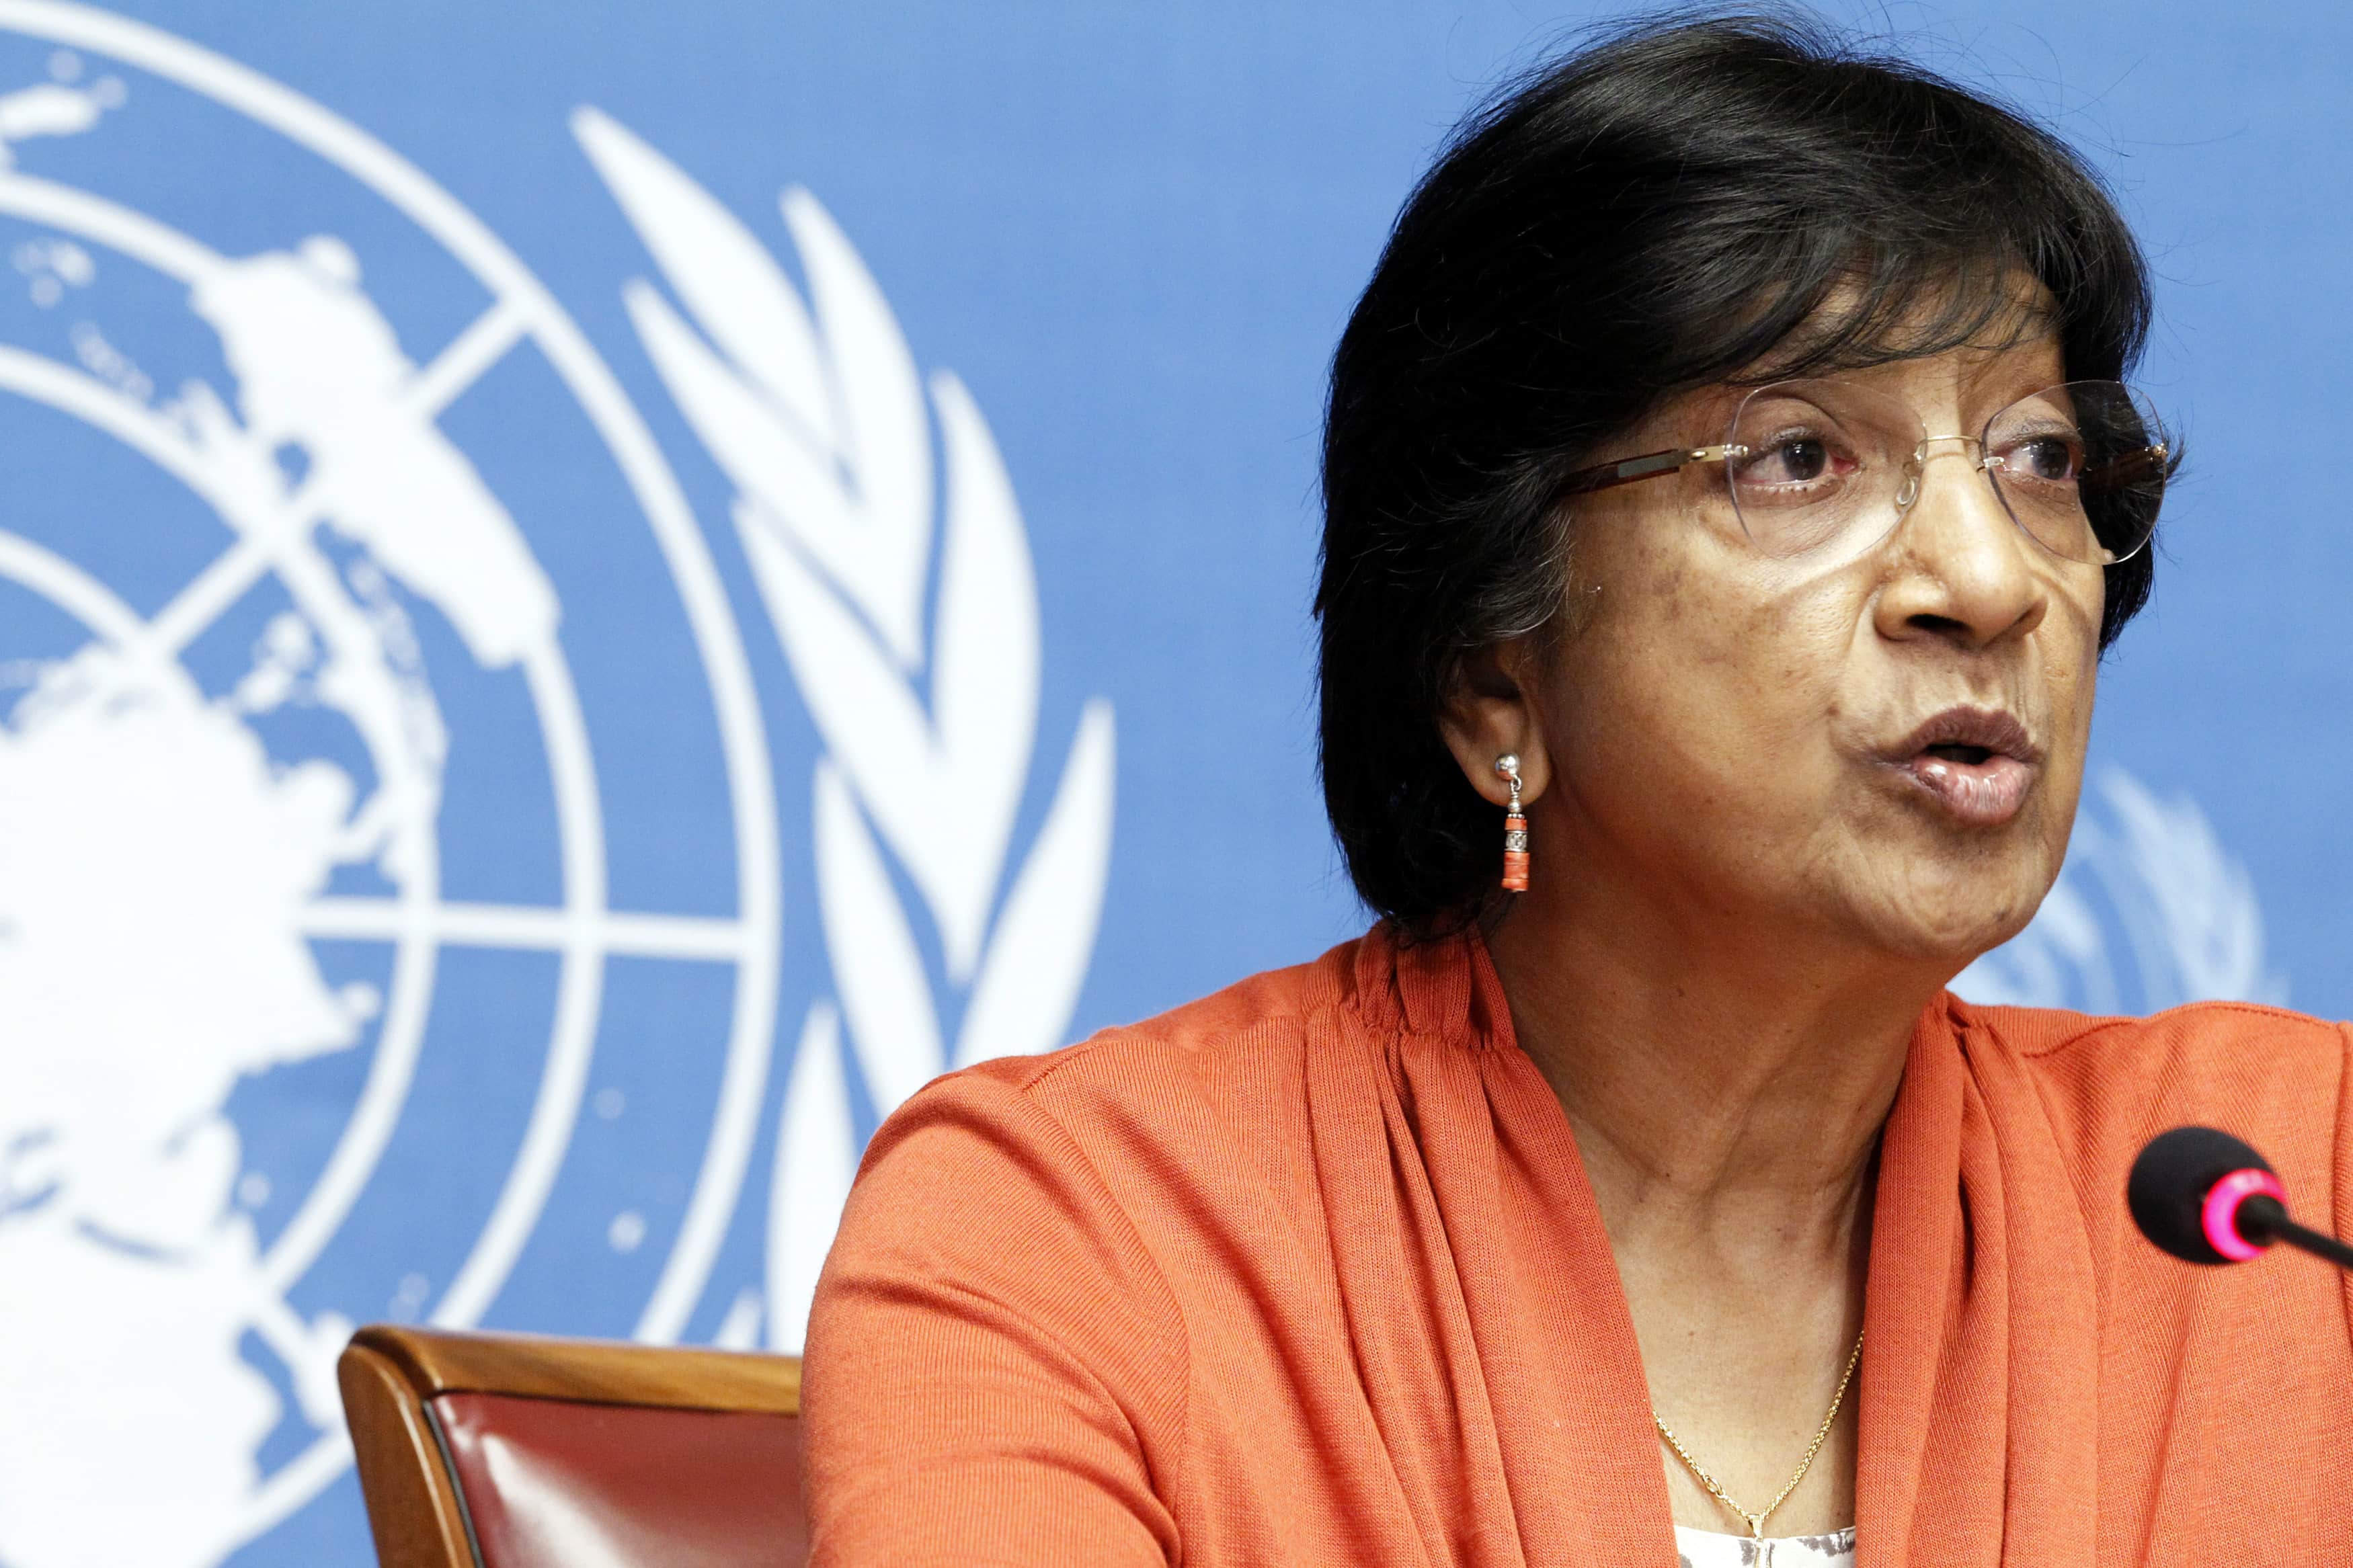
(1884, 747)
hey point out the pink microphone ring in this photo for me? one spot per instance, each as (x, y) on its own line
(2220, 1215)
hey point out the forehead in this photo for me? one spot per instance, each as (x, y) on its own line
(1941, 349)
(1959, 329)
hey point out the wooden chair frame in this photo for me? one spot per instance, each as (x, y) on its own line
(390, 1375)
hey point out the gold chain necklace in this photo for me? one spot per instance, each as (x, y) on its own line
(1756, 1521)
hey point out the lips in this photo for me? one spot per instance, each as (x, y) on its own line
(1978, 764)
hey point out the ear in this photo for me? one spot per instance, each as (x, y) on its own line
(1492, 711)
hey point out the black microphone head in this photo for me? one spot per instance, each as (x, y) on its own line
(2169, 1184)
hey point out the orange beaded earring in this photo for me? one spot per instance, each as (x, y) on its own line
(1516, 828)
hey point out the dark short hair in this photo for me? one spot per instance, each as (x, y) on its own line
(1658, 211)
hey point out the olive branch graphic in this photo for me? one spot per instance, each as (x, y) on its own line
(815, 410)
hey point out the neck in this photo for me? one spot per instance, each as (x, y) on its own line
(1726, 1094)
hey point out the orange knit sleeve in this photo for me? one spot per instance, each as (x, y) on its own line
(994, 1372)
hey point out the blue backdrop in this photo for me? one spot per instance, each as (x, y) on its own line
(590, 593)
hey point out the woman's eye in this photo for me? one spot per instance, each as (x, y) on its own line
(1794, 460)
(2052, 457)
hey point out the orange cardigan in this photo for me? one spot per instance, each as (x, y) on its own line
(1309, 1272)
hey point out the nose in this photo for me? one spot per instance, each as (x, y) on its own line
(1959, 571)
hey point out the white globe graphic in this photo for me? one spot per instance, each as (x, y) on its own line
(170, 862)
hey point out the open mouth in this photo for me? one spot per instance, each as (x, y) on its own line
(1977, 764)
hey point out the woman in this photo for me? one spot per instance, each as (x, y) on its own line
(1729, 496)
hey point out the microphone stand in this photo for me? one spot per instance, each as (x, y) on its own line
(2264, 1220)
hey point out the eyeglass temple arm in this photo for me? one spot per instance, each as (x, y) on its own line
(2128, 467)
(1650, 466)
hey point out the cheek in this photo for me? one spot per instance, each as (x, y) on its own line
(1696, 675)
(2071, 683)
(1760, 655)
(2067, 647)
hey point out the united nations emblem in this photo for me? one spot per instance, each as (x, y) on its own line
(390, 903)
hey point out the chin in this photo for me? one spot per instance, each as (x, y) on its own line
(1950, 913)
(1959, 943)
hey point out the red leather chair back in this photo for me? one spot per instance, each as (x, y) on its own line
(503, 1451)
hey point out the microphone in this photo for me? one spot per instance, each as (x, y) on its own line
(2205, 1197)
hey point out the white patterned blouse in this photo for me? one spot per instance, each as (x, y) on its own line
(1705, 1549)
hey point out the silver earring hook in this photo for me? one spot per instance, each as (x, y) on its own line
(1507, 768)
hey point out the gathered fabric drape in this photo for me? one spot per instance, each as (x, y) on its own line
(1310, 1273)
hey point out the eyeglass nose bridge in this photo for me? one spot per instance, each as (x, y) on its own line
(1915, 466)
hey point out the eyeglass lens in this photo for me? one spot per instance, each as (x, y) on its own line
(1823, 465)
